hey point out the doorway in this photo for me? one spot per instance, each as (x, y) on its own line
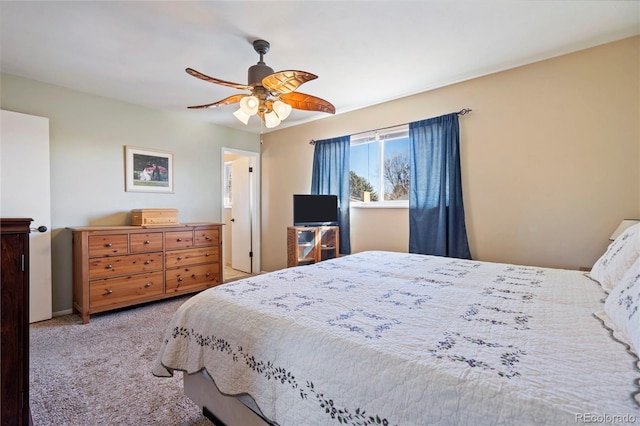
(240, 213)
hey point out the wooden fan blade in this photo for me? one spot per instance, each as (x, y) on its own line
(226, 101)
(307, 102)
(204, 77)
(286, 81)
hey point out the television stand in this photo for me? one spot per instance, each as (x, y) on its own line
(310, 244)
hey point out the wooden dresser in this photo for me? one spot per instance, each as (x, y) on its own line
(14, 324)
(118, 266)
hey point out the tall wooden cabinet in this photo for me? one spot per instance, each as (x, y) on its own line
(311, 244)
(118, 266)
(14, 321)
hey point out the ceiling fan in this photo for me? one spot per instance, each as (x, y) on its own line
(272, 94)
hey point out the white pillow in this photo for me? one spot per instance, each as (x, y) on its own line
(620, 255)
(622, 306)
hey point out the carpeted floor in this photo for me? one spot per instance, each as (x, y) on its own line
(100, 373)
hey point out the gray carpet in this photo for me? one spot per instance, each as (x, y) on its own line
(100, 373)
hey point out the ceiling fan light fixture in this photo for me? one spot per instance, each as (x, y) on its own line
(242, 116)
(282, 109)
(272, 94)
(271, 120)
(249, 105)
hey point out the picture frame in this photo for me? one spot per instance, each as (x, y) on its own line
(148, 170)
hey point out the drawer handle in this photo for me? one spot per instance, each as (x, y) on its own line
(108, 245)
(109, 291)
(109, 266)
(147, 242)
(206, 237)
(180, 279)
(207, 274)
(179, 239)
(147, 262)
(147, 285)
(179, 257)
(206, 254)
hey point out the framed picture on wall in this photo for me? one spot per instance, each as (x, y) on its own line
(148, 170)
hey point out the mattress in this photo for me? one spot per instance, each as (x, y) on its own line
(397, 338)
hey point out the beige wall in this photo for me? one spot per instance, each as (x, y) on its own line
(87, 138)
(550, 158)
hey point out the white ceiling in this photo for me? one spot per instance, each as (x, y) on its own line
(364, 52)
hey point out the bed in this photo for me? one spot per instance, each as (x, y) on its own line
(396, 338)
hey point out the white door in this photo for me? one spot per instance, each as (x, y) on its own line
(25, 192)
(241, 244)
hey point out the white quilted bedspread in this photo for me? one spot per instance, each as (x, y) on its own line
(396, 338)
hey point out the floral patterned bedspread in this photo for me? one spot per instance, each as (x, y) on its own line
(397, 338)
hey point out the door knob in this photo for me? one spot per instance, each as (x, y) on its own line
(233, 220)
(40, 228)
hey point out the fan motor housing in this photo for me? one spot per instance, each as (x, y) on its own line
(258, 72)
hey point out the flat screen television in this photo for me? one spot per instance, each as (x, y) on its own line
(315, 210)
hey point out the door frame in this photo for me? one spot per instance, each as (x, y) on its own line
(254, 203)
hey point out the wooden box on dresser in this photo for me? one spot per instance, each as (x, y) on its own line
(118, 266)
(14, 313)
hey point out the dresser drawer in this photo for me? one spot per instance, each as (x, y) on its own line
(125, 289)
(206, 237)
(191, 256)
(104, 245)
(186, 278)
(151, 241)
(121, 265)
(177, 240)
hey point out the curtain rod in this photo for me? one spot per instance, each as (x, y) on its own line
(463, 111)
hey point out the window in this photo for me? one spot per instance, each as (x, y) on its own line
(227, 184)
(380, 166)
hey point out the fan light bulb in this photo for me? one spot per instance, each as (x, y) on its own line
(249, 105)
(282, 109)
(271, 120)
(242, 116)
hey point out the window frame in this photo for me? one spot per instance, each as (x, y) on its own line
(382, 136)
